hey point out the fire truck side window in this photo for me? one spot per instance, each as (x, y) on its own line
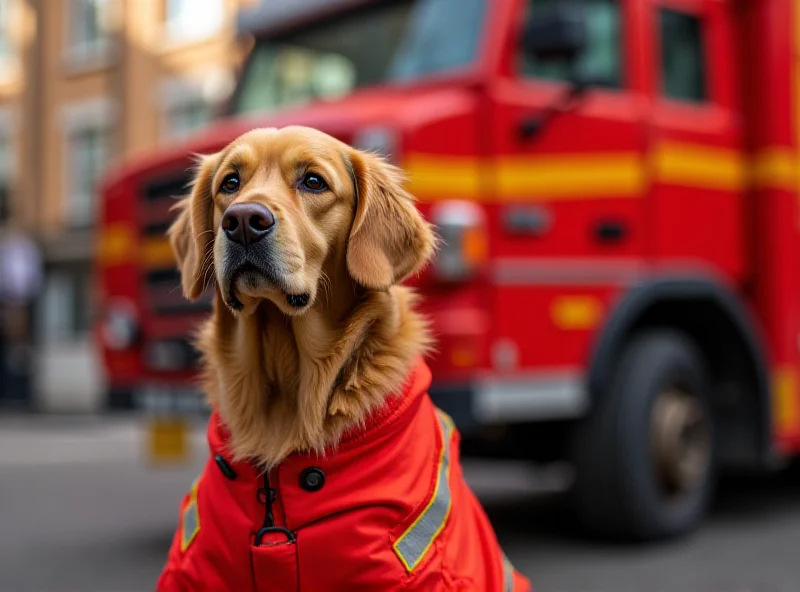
(601, 60)
(683, 72)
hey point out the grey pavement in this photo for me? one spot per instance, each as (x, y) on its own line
(80, 511)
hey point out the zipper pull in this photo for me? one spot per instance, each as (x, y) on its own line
(267, 496)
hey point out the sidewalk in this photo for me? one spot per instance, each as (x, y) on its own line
(41, 440)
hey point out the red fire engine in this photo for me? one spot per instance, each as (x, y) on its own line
(616, 184)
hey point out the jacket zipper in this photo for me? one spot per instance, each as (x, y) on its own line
(270, 495)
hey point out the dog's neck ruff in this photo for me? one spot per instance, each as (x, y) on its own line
(385, 419)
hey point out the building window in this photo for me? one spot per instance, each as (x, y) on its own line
(64, 305)
(6, 43)
(682, 62)
(57, 305)
(87, 153)
(188, 102)
(191, 20)
(184, 118)
(600, 62)
(88, 24)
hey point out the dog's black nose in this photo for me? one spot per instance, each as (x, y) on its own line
(247, 223)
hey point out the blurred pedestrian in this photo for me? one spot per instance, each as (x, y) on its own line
(20, 283)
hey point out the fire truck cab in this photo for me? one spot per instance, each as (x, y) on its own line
(615, 182)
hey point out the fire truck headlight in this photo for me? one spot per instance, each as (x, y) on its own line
(120, 328)
(462, 228)
(381, 140)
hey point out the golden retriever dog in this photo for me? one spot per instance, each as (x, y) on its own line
(313, 356)
(310, 330)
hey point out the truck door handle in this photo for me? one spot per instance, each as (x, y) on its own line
(610, 231)
(530, 126)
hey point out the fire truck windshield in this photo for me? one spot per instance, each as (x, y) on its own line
(395, 41)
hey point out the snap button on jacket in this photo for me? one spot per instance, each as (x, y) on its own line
(388, 509)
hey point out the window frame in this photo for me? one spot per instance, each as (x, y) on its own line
(66, 297)
(56, 308)
(7, 9)
(720, 75)
(697, 13)
(624, 64)
(182, 110)
(179, 92)
(96, 114)
(81, 55)
(11, 66)
(95, 136)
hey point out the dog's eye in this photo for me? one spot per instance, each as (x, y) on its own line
(230, 184)
(314, 182)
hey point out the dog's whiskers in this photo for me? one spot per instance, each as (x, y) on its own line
(326, 286)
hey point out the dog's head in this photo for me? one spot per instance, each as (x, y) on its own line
(275, 207)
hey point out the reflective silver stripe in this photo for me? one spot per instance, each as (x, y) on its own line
(570, 271)
(415, 542)
(508, 575)
(190, 520)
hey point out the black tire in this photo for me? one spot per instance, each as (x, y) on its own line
(617, 492)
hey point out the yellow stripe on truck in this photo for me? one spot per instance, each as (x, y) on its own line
(551, 177)
(443, 177)
(775, 168)
(115, 244)
(530, 178)
(598, 175)
(542, 178)
(693, 165)
(157, 252)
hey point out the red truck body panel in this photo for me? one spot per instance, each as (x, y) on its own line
(623, 186)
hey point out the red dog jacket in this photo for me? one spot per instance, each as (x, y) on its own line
(388, 509)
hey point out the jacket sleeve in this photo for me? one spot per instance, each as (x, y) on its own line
(172, 578)
(170, 581)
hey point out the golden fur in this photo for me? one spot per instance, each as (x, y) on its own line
(286, 378)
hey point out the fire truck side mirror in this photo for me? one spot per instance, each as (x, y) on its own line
(556, 31)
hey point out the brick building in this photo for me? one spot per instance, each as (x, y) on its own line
(83, 83)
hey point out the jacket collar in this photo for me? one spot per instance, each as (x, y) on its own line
(387, 418)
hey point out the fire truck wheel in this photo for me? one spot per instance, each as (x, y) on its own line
(644, 458)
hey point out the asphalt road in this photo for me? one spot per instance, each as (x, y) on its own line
(81, 512)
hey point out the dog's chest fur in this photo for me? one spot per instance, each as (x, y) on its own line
(296, 384)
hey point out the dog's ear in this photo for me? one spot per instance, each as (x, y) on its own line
(191, 235)
(389, 239)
